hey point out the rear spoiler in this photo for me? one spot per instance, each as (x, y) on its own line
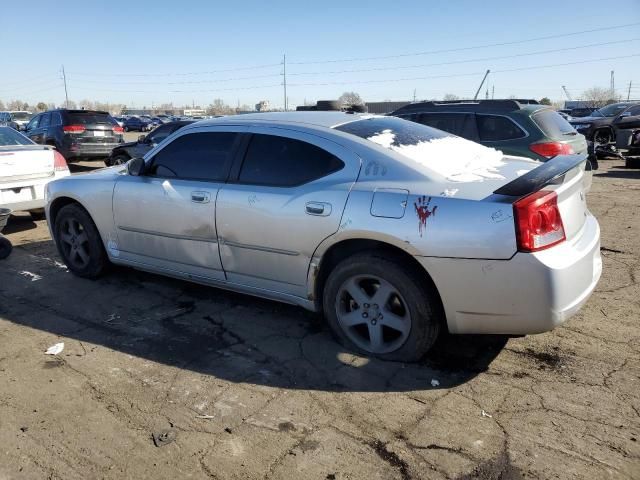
(545, 174)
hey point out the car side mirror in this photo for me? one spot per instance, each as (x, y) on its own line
(135, 167)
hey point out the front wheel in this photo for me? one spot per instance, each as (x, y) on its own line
(119, 160)
(382, 308)
(79, 242)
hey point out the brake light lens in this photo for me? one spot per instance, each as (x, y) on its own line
(59, 163)
(73, 129)
(551, 149)
(118, 129)
(538, 221)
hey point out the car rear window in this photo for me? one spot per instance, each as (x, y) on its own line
(87, 118)
(494, 128)
(552, 124)
(8, 136)
(395, 131)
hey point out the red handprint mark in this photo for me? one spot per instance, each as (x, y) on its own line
(423, 212)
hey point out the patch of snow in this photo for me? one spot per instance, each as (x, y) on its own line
(435, 383)
(55, 349)
(34, 277)
(455, 158)
(450, 192)
(519, 173)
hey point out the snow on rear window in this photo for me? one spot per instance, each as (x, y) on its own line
(456, 159)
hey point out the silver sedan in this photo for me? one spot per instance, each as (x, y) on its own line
(393, 230)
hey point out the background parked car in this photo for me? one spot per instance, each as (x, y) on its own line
(516, 127)
(76, 134)
(7, 121)
(21, 117)
(600, 127)
(120, 120)
(25, 169)
(125, 151)
(581, 112)
(136, 124)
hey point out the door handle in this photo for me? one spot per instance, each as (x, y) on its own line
(200, 197)
(321, 209)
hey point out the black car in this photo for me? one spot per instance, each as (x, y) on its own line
(125, 151)
(76, 134)
(138, 124)
(581, 112)
(601, 126)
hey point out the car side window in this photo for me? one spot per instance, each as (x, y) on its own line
(33, 123)
(45, 120)
(159, 134)
(634, 111)
(285, 162)
(493, 128)
(461, 124)
(202, 156)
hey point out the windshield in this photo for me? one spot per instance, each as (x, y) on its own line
(88, 118)
(8, 136)
(21, 115)
(610, 110)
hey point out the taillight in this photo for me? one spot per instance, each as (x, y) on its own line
(73, 129)
(538, 221)
(59, 163)
(551, 149)
(118, 129)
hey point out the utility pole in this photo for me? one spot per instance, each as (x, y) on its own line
(66, 95)
(475, 97)
(414, 95)
(629, 91)
(493, 91)
(613, 85)
(284, 73)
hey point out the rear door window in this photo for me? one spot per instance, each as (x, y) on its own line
(285, 162)
(34, 122)
(552, 124)
(45, 120)
(461, 124)
(56, 119)
(494, 128)
(204, 156)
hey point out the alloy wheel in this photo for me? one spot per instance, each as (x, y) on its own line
(75, 243)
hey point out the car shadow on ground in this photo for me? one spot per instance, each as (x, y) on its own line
(213, 332)
(19, 222)
(620, 172)
(85, 167)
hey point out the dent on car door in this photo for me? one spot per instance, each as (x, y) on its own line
(165, 219)
(288, 197)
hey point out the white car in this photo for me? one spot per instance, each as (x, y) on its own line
(25, 169)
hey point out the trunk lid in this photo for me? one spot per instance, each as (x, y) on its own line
(94, 127)
(25, 162)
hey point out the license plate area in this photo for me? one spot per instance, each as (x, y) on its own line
(11, 195)
(98, 133)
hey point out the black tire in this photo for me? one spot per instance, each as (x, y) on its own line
(120, 159)
(631, 163)
(126, 129)
(96, 260)
(422, 303)
(37, 214)
(5, 247)
(328, 105)
(602, 136)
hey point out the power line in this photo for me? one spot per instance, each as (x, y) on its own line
(377, 69)
(463, 74)
(474, 47)
(182, 91)
(254, 67)
(220, 80)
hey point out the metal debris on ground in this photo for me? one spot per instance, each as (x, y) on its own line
(485, 414)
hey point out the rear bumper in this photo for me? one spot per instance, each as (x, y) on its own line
(28, 194)
(530, 293)
(80, 150)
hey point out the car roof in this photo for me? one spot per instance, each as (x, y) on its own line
(479, 106)
(328, 119)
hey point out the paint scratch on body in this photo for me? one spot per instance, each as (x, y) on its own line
(422, 210)
(499, 216)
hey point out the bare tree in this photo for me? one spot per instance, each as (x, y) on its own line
(545, 101)
(450, 96)
(597, 97)
(72, 105)
(1, 105)
(218, 107)
(41, 106)
(351, 98)
(87, 104)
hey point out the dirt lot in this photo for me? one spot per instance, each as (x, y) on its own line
(236, 387)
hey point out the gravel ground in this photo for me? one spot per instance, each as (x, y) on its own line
(165, 379)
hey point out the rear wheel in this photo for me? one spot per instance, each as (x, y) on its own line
(79, 242)
(126, 129)
(602, 137)
(5, 247)
(381, 308)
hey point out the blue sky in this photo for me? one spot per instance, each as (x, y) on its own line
(160, 51)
